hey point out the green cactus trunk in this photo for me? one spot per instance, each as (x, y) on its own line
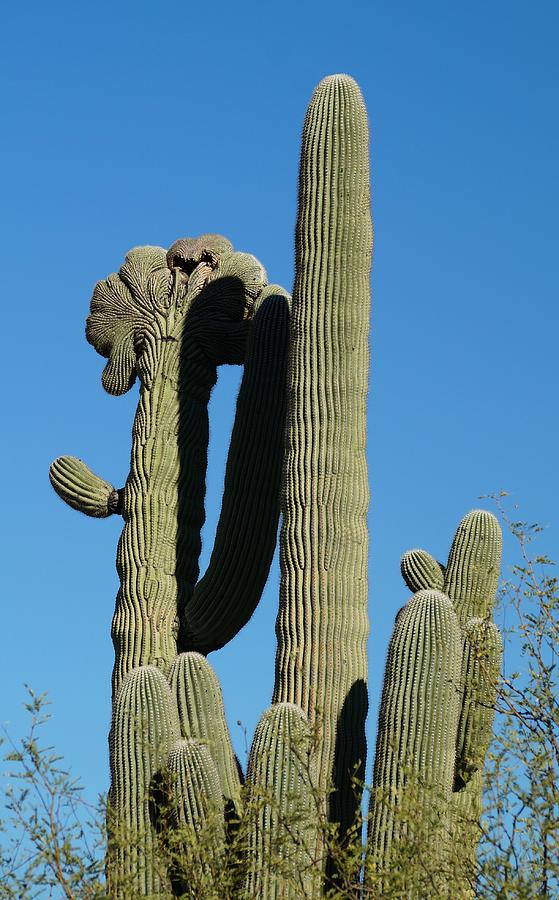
(149, 559)
(144, 727)
(471, 578)
(416, 746)
(281, 856)
(322, 625)
(469, 581)
(202, 716)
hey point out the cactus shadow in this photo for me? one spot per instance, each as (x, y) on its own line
(349, 758)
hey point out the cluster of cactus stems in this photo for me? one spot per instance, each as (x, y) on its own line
(171, 318)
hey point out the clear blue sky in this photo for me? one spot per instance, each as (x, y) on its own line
(136, 123)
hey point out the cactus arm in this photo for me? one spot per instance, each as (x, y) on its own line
(282, 837)
(418, 719)
(169, 454)
(421, 571)
(227, 595)
(202, 716)
(195, 836)
(172, 327)
(481, 667)
(82, 489)
(322, 623)
(472, 575)
(472, 571)
(144, 726)
(470, 580)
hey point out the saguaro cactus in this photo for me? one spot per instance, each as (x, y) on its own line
(322, 625)
(172, 318)
(435, 719)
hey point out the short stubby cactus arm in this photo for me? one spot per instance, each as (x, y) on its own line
(227, 595)
(421, 572)
(416, 740)
(195, 833)
(82, 489)
(322, 624)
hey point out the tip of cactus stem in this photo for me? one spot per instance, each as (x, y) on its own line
(480, 514)
(338, 78)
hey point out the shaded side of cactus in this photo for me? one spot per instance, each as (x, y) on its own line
(481, 668)
(202, 716)
(195, 833)
(144, 726)
(322, 624)
(471, 578)
(414, 763)
(227, 595)
(282, 817)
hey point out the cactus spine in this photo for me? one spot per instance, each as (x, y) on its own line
(322, 625)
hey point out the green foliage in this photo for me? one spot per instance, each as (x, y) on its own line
(52, 838)
(519, 849)
(53, 842)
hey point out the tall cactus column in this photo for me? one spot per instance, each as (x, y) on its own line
(322, 624)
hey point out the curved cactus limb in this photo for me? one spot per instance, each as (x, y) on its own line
(227, 595)
(421, 571)
(322, 624)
